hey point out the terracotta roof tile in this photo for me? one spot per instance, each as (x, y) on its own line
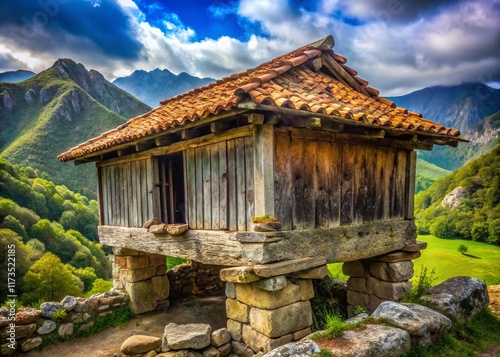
(285, 81)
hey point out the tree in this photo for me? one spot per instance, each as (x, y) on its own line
(49, 280)
(463, 249)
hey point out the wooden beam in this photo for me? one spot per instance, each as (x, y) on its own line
(263, 173)
(411, 169)
(323, 124)
(218, 127)
(335, 67)
(366, 132)
(126, 151)
(190, 134)
(315, 64)
(255, 118)
(166, 140)
(273, 119)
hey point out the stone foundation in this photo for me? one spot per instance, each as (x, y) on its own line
(268, 311)
(143, 277)
(382, 278)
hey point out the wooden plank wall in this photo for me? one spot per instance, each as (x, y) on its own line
(327, 184)
(219, 185)
(126, 193)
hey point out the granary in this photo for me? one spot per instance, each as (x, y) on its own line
(300, 140)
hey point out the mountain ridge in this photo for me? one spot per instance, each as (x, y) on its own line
(16, 76)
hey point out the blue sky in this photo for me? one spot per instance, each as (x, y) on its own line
(397, 45)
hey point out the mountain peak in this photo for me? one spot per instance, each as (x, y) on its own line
(16, 76)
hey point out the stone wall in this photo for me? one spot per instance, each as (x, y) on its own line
(382, 278)
(143, 277)
(194, 278)
(31, 326)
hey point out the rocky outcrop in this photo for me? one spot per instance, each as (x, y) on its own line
(459, 298)
(454, 198)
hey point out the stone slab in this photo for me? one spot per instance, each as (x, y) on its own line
(312, 273)
(397, 256)
(288, 266)
(414, 247)
(242, 275)
(253, 296)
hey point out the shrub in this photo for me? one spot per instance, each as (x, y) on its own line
(462, 249)
(441, 228)
(423, 282)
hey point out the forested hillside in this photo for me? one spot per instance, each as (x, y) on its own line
(57, 109)
(55, 233)
(472, 206)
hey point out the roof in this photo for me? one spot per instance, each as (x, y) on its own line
(294, 81)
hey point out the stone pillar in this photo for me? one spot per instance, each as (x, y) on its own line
(268, 311)
(143, 277)
(381, 278)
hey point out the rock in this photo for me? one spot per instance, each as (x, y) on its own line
(454, 199)
(258, 237)
(401, 316)
(47, 327)
(220, 337)
(354, 269)
(150, 354)
(234, 328)
(306, 289)
(239, 275)
(178, 337)
(26, 316)
(136, 275)
(69, 303)
(231, 290)
(176, 229)
(387, 290)
(5, 350)
(23, 331)
(398, 256)
(31, 343)
(152, 222)
(132, 262)
(259, 342)
(158, 228)
(458, 298)
(225, 349)
(438, 324)
(274, 283)
(65, 330)
(140, 344)
(295, 349)
(371, 340)
(393, 272)
(311, 273)
(210, 351)
(419, 245)
(237, 311)
(298, 335)
(356, 319)
(240, 349)
(50, 308)
(281, 321)
(142, 296)
(253, 296)
(267, 226)
(288, 266)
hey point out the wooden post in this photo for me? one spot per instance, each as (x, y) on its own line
(411, 168)
(263, 159)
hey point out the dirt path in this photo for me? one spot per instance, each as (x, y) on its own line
(211, 310)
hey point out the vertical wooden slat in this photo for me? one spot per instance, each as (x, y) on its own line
(144, 193)
(156, 188)
(232, 187)
(410, 184)
(126, 194)
(109, 198)
(298, 172)
(223, 187)
(191, 188)
(214, 182)
(380, 184)
(346, 216)
(263, 168)
(310, 182)
(283, 180)
(400, 184)
(359, 187)
(328, 181)
(370, 183)
(199, 188)
(150, 187)
(207, 192)
(240, 184)
(249, 182)
(389, 184)
(134, 206)
(100, 195)
(112, 205)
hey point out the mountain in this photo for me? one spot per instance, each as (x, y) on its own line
(56, 110)
(465, 203)
(460, 107)
(16, 76)
(427, 174)
(154, 86)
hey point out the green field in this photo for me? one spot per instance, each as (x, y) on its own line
(481, 260)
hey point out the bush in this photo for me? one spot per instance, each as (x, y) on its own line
(480, 231)
(421, 283)
(463, 249)
(441, 228)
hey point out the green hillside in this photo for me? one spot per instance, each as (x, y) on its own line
(56, 110)
(427, 174)
(48, 223)
(476, 214)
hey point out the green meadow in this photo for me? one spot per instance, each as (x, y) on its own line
(481, 261)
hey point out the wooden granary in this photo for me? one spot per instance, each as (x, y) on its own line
(300, 138)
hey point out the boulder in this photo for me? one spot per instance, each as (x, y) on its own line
(454, 198)
(27, 315)
(402, 317)
(69, 303)
(295, 349)
(178, 337)
(438, 323)
(65, 330)
(371, 340)
(140, 344)
(31, 343)
(50, 308)
(210, 351)
(220, 337)
(458, 298)
(47, 327)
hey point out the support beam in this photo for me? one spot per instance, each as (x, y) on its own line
(166, 140)
(145, 145)
(323, 124)
(256, 118)
(190, 134)
(219, 127)
(263, 159)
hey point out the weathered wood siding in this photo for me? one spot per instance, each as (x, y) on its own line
(126, 193)
(219, 185)
(324, 183)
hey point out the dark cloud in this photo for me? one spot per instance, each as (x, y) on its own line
(48, 24)
(9, 63)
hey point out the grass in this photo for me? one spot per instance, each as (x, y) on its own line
(427, 169)
(481, 261)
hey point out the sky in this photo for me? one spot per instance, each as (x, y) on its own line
(397, 45)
